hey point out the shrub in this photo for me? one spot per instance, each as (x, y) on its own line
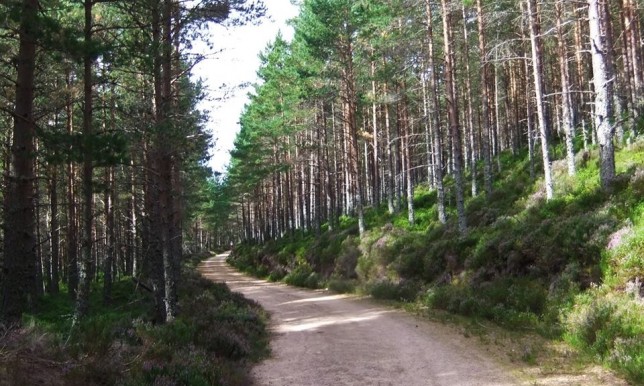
(277, 275)
(412, 248)
(516, 303)
(406, 290)
(611, 327)
(383, 289)
(341, 285)
(347, 258)
(300, 276)
(448, 298)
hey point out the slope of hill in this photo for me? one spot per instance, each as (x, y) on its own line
(570, 268)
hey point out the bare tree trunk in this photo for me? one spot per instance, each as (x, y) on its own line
(485, 105)
(72, 223)
(109, 235)
(566, 101)
(156, 235)
(403, 117)
(42, 263)
(131, 267)
(434, 111)
(84, 273)
(529, 118)
(167, 165)
(539, 95)
(55, 231)
(601, 80)
(429, 154)
(452, 112)
(470, 110)
(319, 175)
(581, 81)
(389, 164)
(19, 284)
(631, 35)
(374, 124)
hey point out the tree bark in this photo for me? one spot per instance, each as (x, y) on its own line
(71, 237)
(452, 112)
(389, 164)
(601, 81)
(539, 95)
(470, 111)
(84, 273)
(485, 102)
(109, 236)
(54, 225)
(434, 111)
(566, 101)
(19, 281)
(403, 118)
(633, 50)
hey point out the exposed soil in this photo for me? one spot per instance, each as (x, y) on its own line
(322, 338)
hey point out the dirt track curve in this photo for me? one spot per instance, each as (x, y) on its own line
(327, 339)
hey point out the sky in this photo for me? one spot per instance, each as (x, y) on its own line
(233, 60)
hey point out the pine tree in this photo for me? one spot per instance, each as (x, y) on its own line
(19, 279)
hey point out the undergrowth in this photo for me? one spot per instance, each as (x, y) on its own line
(569, 268)
(216, 335)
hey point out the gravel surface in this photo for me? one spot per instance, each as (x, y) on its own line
(323, 338)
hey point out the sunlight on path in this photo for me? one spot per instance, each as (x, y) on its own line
(327, 339)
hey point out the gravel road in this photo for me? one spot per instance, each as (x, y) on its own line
(323, 339)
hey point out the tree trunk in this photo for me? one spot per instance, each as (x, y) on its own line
(131, 268)
(55, 231)
(539, 95)
(470, 110)
(403, 117)
(434, 111)
(389, 164)
(109, 235)
(566, 101)
(485, 102)
(166, 163)
(72, 222)
(19, 284)
(601, 80)
(154, 208)
(452, 112)
(374, 127)
(84, 273)
(633, 49)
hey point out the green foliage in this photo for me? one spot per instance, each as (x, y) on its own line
(512, 302)
(346, 258)
(341, 286)
(215, 323)
(303, 275)
(404, 290)
(611, 327)
(627, 261)
(216, 331)
(377, 247)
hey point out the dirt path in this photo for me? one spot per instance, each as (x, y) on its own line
(326, 339)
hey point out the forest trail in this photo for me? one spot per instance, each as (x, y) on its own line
(326, 339)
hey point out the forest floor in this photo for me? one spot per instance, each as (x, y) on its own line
(322, 338)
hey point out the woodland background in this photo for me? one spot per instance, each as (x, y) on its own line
(475, 156)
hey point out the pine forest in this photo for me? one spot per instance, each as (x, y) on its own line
(476, 157)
